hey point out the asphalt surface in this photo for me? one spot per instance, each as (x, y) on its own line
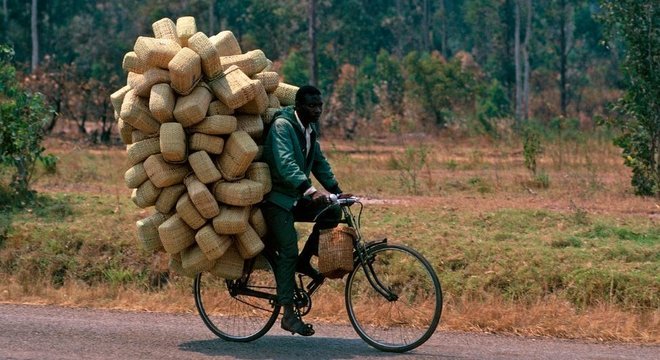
(49, 332)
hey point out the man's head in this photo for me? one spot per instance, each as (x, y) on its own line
(309, 104)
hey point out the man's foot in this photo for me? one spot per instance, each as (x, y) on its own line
(304, 267)
(292, 322)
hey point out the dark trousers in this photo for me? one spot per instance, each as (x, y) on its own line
(282, 240)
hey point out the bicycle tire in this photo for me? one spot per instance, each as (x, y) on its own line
(405, 323)
(237, 317)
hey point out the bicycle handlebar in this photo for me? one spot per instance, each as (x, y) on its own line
(336, 200)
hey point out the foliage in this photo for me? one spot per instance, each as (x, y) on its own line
(410, 164)
(531, 148)
(636, 22)
(23, 116)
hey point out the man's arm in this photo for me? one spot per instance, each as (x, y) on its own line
(323, 171)
(283, 135)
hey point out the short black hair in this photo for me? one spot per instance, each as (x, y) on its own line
(306, 90)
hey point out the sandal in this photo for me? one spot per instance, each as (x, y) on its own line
(292, 322)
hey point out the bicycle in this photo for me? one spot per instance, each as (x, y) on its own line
(393, 296)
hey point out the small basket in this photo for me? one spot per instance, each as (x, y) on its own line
(191, 109)
(185, 28)
(125, 131)
(251, 124)
(274, 101)
(286, 93)
(135, 176)
(216, 125)
(260, 172)
(165, 29)
(203, 167)
(208, 53)
(137, 152)
(230, 265)
(156, 52)
(135, 111)
(212, 244)
(173, 143)
(193, 260)
(217, 107)
(233, 87)
(132, 63)
(145, 195)
(202, 198)
(162, 173)
(209, 143)
(117, 98)
(176, 267)
(249, 243)
(161, 102)
(147, 231)
(189, 213)
(260, 102)
(168, 198)
(240, 149)
(185, 71)
(269, 114)
(137, 136)
(336, 251)
(232, 220)
(269, 80)
(258, 222)
(240, 193)
(250, 63)
(226, 44)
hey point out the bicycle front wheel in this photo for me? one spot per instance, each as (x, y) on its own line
(394, 300)
(238, 310)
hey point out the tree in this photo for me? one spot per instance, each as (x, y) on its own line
(636, 23)
(35, 36)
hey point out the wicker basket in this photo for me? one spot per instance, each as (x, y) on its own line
(176, 267)
(135, 111)
(231, 220)
(137, 136)
(258, 222)
(189, 213)
(286, 93)
(194, 260)
(249, 243)
(233, 88)
(135, 176)
(243, 192)
(185, 28)
(191, 109)
(251, 124)
(208, 53)
(165, 29)
(274, 101)
(204, 167)
(156, 52)
(132, 63)
(142, 83)
(210, 144)
(260, 172)
(212, 244)
(216, 125)
(168, 198)
(173, 143)
(226, 44)
(250, 63)
(269, 80)
(125, 131)
(217, 107)
(137, 152)
(260, 102)
(336, 251)
(161, 102)
(240, 149)
(163, 174)
(145, 195)
(117, 98)
(201, 197)
(147, 231)
(230, 265)
(185, 71)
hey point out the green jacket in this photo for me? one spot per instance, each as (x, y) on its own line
(290, 167)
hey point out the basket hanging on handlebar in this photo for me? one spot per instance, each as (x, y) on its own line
(336, 251)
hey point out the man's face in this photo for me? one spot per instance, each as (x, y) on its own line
(310, 108)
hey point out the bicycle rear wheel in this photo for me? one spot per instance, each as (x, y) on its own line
(412, 313)
(232, 314)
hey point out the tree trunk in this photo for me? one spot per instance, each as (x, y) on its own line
(311, 29)
(443, 28)
(516, 55)
(525, 54)
(563, 96)
(35, 37)
(426, 27)
(5, 20)
(212, 29)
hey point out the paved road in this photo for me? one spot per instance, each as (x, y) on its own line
(47, 332)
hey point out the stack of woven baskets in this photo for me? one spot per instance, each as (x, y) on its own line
(192, 116)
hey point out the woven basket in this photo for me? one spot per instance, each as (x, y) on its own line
(147, 231)
(164, 174)
(217, 107)
(165, 29)
(336, 251)
(161, 102)
(135, 111)
(189, 213)
(233, 88)
(229, 265)
(268, 115)
(274, 101)
(258, 222)
(213, 245)
(226, 44)
(269, 80)
(168, 198)
(231, 220)
(173, 143)
(204, 167)
(137, 152)
(135, 176)
(132, 63)
(208, 53)
(201, 196)
(243, 192)
(251, 124)
(194, 260)
(250, 63)
(156, 52)
(286, 93)
(142, 83)
(191, 109)
(185, 71)
(185, 28)
(137, 135)
(125, 131)
(176, 267)
(249, 243)
(260, 172)
(117, 98)
(216, 125)
(145, 195)
(260, 102)
(240, 149)
(210, 144)
(269, 66)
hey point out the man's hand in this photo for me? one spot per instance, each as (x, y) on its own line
(345, 196)
(321, 197)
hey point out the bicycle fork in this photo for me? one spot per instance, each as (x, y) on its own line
(366, 260)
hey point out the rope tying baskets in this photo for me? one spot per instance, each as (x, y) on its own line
(243, 192)
(173, 143)
(229, 265)
(213, 245)
(162, 173)
(336, 251)
(237, 155)
(231, 220)
(233, 87)
(185, 71)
